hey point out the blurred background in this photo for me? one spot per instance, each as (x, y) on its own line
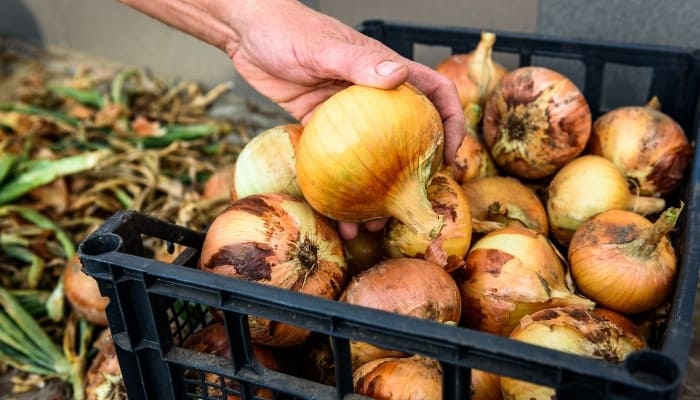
(106, 28)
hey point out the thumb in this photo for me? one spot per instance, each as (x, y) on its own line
(369, 64)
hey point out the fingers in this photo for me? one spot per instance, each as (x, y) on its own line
(348, 230)
(443, 93)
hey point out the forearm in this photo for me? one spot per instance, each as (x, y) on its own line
(207, 20)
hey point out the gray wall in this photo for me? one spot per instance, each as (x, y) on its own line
(108, 29)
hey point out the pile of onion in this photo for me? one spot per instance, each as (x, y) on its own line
(535, 122)
(406, 286)
(509, 273)
(647, 145)
(266, 164)
(277, 240)
(370, 153)
(506, 201)
(587, 186)
(571, 330)
(624, 262)
(450, 246)
(83, 294)
(475, 74)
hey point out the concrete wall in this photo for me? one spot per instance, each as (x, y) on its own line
(106, 28)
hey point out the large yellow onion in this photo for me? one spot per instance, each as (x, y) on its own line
(277, 240)
(475, 74)
(571, 330)
(409, 378)
(406, 286)
(507, 201)
(266, 164)
(450, 246)
(587, 186)
(369, 153)
(624, 262)
(509, 273)
(535, 122)
(646, 144)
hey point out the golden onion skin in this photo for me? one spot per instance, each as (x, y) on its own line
(415, 377)
(647, 145)
(278, 240)
(369, 153)
(535, 122)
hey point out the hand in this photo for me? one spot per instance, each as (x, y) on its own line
(298, 57)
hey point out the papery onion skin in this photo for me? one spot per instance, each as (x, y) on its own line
(450, 246)
(472, 160)
(267, 164)
(410, 378)
(370, 153)
(509, 273)
(571, 330)
(507, 200)
(278, 240)
(83, 293)
(485, 386)
(535, 122)
(647, 145)
(103, 375)
(586, 186)
(475, 74)
(609, 266)
(406, 286)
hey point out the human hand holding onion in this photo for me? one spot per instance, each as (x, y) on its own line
(298, 58)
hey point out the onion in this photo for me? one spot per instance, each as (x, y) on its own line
(535, 122)
(83, 294)
(409, 378)
(363, 251)
(213, 339)
(407, 286)
(505, 200)
(647, 145)
(221, 184)
(447, 249)
(267, 163)
(587, 186)
(485, 386)
(103, 378)
(276, 239)
(509, 273)
(571, 330)
(369, 153)
(475, 74)
(623, 261)
(472, 160)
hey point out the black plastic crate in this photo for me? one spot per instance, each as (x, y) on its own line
(155, 306)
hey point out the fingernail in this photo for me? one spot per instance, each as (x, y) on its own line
(386, 68)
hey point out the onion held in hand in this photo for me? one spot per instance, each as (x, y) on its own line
(406, 286)
(509, 273)
(571, 330)
(646, 145)
(267, 163)
(369, 153)
(450, 246)
(623, 261)
(277, 240)
(587, 186)
(535, 122)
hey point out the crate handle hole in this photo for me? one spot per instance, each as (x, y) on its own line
(652, 368)
(100, 244)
